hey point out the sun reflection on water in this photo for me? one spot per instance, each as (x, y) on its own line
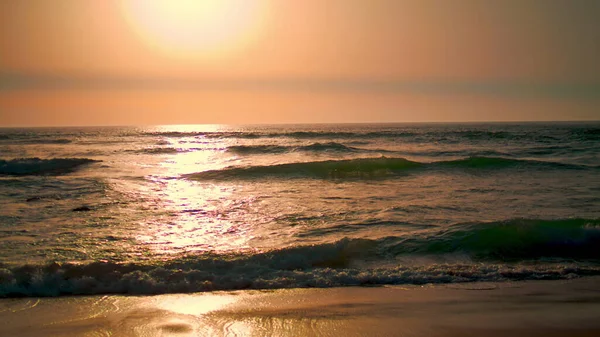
(190, 216)
(196, 219)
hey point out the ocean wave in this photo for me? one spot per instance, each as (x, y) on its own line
(369, 168)
(458, 153)
(314, 147)
(317, 169)
(341, 134)
(111, 278)
(515, 239)
(48, 140)
(406, 135)
(159, 150)
(173, 134)
(589, 134)
(500, 241)
(259, 149)
(37, 166)
(291, 134)
(334, 264)
(500, 162)
(168, 150)
(499, 135)
(479, 135)
(329, 146)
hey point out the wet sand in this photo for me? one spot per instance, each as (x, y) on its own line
(532, 308)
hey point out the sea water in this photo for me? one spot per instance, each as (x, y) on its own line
(146, 210)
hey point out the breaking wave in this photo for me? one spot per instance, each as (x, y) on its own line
(510, 248)
(370, 167)
(37, 166)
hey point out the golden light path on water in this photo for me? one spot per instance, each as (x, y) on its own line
(194, 216)
(177, 213)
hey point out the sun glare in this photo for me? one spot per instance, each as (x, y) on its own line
(190, 28)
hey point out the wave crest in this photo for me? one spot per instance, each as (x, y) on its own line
(258, 149)
(37, 166)
(582, 133)
(369, 168)
(320, 169)
(517, 240)
(314, 147)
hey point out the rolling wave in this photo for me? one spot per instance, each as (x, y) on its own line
(159, 150)
(516, 239)
(499, 162)
(48, 141)
(317, 169)
(37, 166)
(329, 146)
(314, 147)
(259, 149)
(334, 264)
(370, 167)
(585, 133)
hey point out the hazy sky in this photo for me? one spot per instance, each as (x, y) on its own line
(82, 62)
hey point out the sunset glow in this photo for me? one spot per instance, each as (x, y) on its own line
(124, 62)
(189, 28)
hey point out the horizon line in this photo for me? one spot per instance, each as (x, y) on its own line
(305, 123)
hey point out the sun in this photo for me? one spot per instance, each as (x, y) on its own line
(196, 27)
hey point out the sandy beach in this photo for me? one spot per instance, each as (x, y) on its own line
(531, 308)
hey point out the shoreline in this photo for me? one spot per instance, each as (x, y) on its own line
(523, 308)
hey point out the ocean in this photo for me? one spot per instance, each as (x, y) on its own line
(172, 209)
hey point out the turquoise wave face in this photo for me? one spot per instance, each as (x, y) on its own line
(37, 166)
(371, 167)
(518, 240)
(314, 147)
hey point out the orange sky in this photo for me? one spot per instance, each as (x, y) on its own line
(82, 62)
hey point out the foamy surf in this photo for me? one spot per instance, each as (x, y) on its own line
(452, 255)
(209, 275)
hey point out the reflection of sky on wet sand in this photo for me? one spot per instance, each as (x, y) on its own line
(350, 311)
(195, 304)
